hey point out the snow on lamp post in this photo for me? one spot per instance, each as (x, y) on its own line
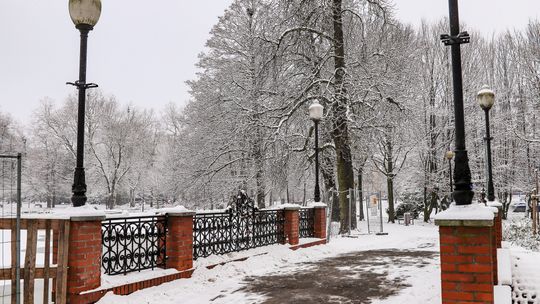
(486, 99)
(316, 114)
(84, 14)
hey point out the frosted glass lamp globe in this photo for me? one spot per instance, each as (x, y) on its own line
(485, 98)
(316, 111)
(85, 13)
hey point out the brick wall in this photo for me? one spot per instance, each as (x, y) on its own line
(292, 225)
(319, 223)
(84, 258)
(466, 264)
(180, 241)
(85, 249)
(498, 229)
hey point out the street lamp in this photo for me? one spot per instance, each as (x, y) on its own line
(84, 14)
(463, 193)
(316, 114)
(449, 156)
(486, 99)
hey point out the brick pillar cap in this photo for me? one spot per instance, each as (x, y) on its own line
(316, 205)
(495, 210)
(176, 211)
(495, 204)
(84, 213)
(185, 213)
(474, 215)
(87, 218)
(285, 207)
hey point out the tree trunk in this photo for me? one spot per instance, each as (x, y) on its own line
(360, 195)
(353, 209)
(340, 132)
(390, 178)
(390, 194)
(260, 182)
(329, 180)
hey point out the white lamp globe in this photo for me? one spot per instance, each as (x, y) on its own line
(316, 111)
(485, 98)
(85, 13)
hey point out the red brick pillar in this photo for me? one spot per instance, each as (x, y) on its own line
(84, 256)
(466, 243)
(497, 236)
(319, 222)
(498, 229)
(180, 240)
(498, 222)
(291, 227)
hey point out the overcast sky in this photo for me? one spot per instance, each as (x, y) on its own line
(144, 51)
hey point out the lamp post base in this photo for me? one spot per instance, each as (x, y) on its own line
(79, 188)
(463, 194)
(463, 197)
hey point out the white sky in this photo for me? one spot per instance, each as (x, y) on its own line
(487, 16)
(144, 51)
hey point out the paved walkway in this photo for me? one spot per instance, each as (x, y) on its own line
(401, 267)
(357, 277)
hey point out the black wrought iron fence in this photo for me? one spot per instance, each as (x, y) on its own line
(306, 220)
(220, 233)
(133, 244)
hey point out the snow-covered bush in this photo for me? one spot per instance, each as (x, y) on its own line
(410, 202)
(518, 231)
(405, 207)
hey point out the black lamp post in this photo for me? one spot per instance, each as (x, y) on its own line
(449, 156)
(463, 193)
(486, 99)
(84, 14)
(316, 113)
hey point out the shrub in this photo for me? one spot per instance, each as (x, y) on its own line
(518, 231)
(410, 207)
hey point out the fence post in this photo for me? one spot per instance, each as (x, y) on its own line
(292, 226)
(466, 243)
(84, 256)
(179, 240)
(319, 221)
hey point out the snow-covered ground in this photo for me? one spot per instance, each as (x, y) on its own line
(224, 284)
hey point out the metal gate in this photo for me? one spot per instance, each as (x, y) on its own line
(374, 213)
(242, 227)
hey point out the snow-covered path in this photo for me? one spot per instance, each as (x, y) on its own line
(237, 282)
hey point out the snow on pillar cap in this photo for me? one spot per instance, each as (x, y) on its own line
(81, 213)
(316, 205)
(176, 211)
(495, 204)
(287, 206)
(475, 215)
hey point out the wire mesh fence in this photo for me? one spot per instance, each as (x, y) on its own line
(10, 209)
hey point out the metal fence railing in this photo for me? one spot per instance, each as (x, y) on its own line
(306, 222)
(220, 233)
(133, 244)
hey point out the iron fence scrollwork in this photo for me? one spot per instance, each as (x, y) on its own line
(242, 227)
(133, 244)
(306, 222)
